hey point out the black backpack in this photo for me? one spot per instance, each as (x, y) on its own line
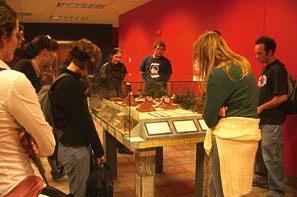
(100, 183)
(44, 96)
(291, 103)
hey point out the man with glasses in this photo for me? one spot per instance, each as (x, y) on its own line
(40, 53)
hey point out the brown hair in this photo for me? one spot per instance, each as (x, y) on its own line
(38, 44)
(269, 43)
(159, 43)
(8, 18)
(114, 51)
(84, 54)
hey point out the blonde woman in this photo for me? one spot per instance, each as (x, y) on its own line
(230, 112)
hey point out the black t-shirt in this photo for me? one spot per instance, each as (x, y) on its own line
(273, 82)
(156, 69)
(25, 66)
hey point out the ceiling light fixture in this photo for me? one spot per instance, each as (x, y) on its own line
(69, 18)
(81, 5)
(20, 14)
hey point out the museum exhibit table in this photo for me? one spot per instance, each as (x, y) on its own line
(147, 133)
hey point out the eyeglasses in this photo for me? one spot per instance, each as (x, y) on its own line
(50, 43)
(160, 48)
(20, 36)
(49, 37)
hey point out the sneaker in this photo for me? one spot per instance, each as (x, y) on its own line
(261, 184)
(58, 176)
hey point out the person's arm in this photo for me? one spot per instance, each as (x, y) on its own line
(274, 102)
(123, 72)
(76, 105)
(168, 73)
(219, 87)
(143, 69)
(24, 107)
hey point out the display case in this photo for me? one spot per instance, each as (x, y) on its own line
(136, 112)
(146, 117)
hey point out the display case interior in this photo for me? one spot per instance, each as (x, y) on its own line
(139, 111)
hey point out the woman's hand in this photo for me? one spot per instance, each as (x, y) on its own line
(100, 160)
(223, 112)
(29, 145)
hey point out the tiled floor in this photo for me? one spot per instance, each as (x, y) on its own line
(178, 179)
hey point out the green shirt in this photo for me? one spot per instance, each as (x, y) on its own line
(240, 95)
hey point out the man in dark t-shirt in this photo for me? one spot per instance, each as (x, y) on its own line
(273, 93)
(156, 68)
(155, 71)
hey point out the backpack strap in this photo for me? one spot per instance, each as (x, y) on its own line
(56, 81)
(60, 77)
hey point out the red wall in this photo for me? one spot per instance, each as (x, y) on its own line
(179, 23)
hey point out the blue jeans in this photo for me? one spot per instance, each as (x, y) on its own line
(56, 168)
(273, 156)
(260, 171)
(215, 184)
(76, 162)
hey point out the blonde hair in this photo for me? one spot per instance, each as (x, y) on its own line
(211, 51)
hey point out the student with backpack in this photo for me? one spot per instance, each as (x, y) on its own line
(71, 115)
(273, 95)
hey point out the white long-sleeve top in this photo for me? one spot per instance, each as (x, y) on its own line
(19, 111)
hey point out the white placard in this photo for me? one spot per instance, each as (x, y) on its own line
(183, 112)
(136, 139)
(182, 126)
(203, 125)
(155, 128)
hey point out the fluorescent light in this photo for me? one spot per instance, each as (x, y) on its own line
(24, 14)
(69, 18)
(81, 5)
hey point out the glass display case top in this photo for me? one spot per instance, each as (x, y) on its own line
(147, 110)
